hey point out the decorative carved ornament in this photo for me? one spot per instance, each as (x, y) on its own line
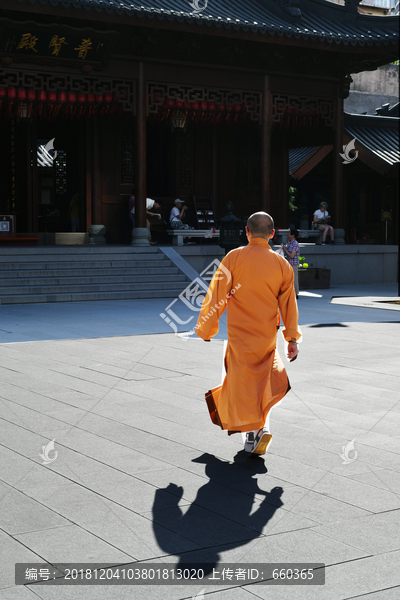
(291, 7)
(351, 6)
(206, 99)
(301, 111)
(123, 91)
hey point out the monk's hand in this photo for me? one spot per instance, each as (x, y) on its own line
(293, 351)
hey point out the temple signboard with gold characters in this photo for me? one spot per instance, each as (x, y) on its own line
(29, 41)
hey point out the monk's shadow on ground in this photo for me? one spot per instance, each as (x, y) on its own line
(225, 511)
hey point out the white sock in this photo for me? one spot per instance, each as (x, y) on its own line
(266, 425)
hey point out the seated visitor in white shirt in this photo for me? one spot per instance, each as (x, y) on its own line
(320, 220)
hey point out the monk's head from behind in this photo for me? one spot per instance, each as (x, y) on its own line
(260, 225)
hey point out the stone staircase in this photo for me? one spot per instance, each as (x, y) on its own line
(81, 273)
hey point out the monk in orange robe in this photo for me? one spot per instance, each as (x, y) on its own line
(254, 283)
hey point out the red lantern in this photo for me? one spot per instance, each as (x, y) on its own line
(179, 103)
(237, 107)
(11, 94)
(3, 94)
(228, 109)
(51, 98)
(71, 109)
(91, 99)
(42, 97)
(62, 97)
(22, 106)
(31, 95)
(203, 105)
(212, 106)
(108, 98)
(82, 98)
(196, 105)
(98, 109)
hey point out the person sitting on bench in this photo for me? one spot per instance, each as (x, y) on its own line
(177, 214)
(320, 220)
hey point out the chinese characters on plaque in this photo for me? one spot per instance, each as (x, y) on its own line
(55, 44)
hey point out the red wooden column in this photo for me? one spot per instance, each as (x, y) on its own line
(140, 232)
(88, 182)
(338, 208)
(265, 158)
(96, 172)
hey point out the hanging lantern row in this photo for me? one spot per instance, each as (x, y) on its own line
(49, 105)
(181, 112)
(296, 119)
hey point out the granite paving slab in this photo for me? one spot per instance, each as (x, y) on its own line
(71, 544)
(142, 474)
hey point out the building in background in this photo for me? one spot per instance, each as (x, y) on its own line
(103, 97)
(377, 7)
(371, 89)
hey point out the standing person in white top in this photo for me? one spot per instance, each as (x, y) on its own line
(176, 215)
(320, 220)
(151, 205)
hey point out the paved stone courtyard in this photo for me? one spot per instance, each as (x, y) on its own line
(141, 474)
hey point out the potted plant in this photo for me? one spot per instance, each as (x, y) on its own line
(312, 278)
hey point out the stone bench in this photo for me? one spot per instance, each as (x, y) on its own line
(179, 234)
(317, 235)
(310, 233)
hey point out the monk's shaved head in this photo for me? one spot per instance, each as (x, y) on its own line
(260, 224)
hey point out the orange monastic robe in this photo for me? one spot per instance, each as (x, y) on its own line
(254, 283)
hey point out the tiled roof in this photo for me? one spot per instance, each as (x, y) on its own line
(298, 156)
(319, 20)
(379, 134)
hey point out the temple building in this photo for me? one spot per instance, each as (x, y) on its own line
(204, 101)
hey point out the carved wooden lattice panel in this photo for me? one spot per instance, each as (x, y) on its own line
(123, 90)
(127, 157)
(158, 93)
(302, 107)
(61, 172)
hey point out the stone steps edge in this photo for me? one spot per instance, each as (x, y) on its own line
(85, 297)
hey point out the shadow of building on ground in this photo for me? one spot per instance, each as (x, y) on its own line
(223, 512)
